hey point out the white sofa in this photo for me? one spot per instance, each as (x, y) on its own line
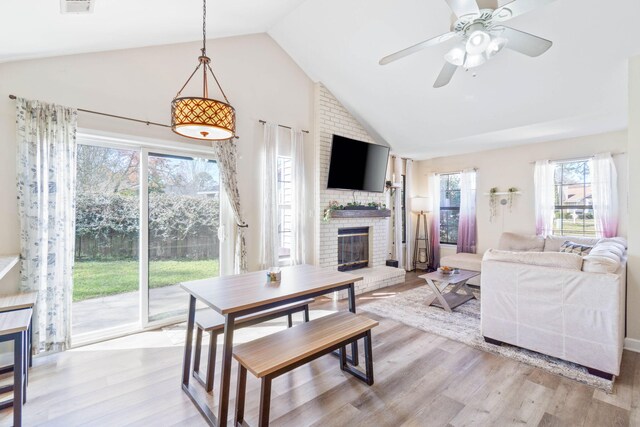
(560, 304)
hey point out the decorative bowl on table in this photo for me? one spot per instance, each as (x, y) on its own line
(447, 271)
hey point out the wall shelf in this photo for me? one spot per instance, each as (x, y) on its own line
(503, 193)
(364, 213)
(7, 262)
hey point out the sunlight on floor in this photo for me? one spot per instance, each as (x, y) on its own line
(379, 295)
(173, 336)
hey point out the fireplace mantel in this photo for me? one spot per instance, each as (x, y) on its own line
(365, 213)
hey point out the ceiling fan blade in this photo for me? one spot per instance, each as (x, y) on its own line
(415, 48)
(463, 7)
(448, 70)
(525, 43)
(515, 8)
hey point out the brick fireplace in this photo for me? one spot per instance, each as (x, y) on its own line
(333, 118)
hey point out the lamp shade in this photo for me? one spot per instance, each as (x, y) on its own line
(203, 118)
(421, 204)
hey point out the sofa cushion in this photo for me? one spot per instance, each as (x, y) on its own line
(613, 247)
(553, 243)
(544, 259)
(575, 248)
(599, 264)
(620, 240)
(462, 260)
(520, 242)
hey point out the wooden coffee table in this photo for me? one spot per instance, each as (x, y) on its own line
(438, 282)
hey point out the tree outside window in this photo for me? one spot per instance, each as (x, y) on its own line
(449, 208)
(574, 204)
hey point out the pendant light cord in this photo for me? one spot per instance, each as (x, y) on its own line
(206, 62)
(204, 27)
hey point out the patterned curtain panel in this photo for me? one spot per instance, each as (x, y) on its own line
(298, 204)
(605, 194)
(544, 197)
(269, 216)
(46, 179)
(434, 233)
(467, 220)
(226, 154)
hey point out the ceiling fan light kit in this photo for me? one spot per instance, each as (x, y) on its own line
(482, 37)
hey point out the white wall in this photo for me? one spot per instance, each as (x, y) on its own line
(513, 167)
(260, 79)
(633, 266)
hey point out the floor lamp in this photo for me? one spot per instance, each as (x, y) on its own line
(420, 206)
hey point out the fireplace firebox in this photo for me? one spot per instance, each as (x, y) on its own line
(353, 248)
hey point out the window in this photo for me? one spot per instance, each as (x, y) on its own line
(449, 208)
(285, 195)
(574, 205)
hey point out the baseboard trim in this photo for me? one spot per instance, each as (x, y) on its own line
(632, 345)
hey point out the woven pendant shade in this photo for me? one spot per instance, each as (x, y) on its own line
(203, 118)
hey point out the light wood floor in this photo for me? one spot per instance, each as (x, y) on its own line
(420, 380)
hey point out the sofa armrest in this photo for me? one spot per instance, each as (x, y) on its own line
(569, 314)
(543, 259)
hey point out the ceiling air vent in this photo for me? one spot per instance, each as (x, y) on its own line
(76, 6)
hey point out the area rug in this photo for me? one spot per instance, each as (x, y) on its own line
(463, 325)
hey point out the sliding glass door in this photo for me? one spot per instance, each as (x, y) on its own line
(145, 221)
(184, 200)
(106, 289)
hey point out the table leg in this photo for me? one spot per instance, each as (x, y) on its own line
(186, 362)
(352, 308)
(18, 377)
(438, 294)
(225, 377)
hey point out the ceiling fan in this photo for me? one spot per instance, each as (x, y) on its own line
(482, 36)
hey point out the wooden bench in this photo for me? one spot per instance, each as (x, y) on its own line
(212, 322)
(14, 326)
(276, 354)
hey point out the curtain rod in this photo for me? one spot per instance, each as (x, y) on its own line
(146, 122)
(282, 126)
(455, 172)
(577, 159)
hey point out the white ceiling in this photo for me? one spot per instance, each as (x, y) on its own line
(578, 87)
(35, 28)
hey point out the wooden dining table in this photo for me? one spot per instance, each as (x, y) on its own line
(242, 294)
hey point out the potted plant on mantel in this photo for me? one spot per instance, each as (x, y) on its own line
(356, 206)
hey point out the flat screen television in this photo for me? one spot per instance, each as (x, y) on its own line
(357, 165)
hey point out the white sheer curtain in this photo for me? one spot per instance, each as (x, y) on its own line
(269, 238)
(543, 178)
(604, 187)
(298, 202)
(408, 254)
(46, 181)
(467, 220)
(434, 228)
(397, 212)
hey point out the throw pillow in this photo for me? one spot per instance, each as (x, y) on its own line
(575, 248)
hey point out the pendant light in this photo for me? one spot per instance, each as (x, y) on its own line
(203, 117)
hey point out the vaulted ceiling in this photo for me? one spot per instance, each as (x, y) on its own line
(578, 87)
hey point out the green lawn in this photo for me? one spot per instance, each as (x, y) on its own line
(93, 279)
